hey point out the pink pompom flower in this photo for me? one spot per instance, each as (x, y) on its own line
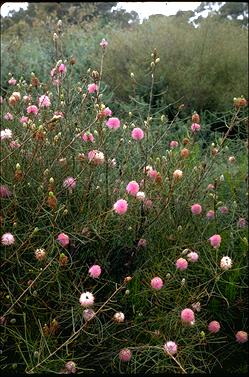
(5, 191)
(173, 144)
(88, 314)
(14, 144)
(210, 214)
(86, 299)
(24, 119)
(92, 88)
(193, 256)
(62, 68)
(95, 271)
(8, 116)
(125, 354)
(156, 283)
(12, 81)
(187, 315)
(137, 133)
(88, 136)
(195, 127)
(63, 239)
(142, 243)
(32, 109)
(44, 101)
(242, 222)
(107, 112)
(170, 348)
(103, 43)
(196, 209)
(215, 241)
(226, 263)
(241, 336)
(152, 174)
(181, 264)
(69, 183)
(132, 188)
(113, 123)
(224, 210)
(7, 239)
(214, 327)
(96, 157)
(5, 134)
(210, 186)
(70, 367)
(120, 207)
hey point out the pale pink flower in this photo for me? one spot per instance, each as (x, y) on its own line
(14, 144)
(210, 214)
(148, 204)
(225, 263)
(12, 81)
(187, 315)
(88, 314)
(8, 116)
(62, 68)
(214, 327)
(7, 239)
(132, 188)
(170, 347)
(32, 109)
(210, 186)
(69, 183)
(119, 317)
(142, 243)
(241, 336)
(140, 195)
(40, 254)
(88, 136)
(224, 210)
(125, 355)
(107, 112)
(53, 72)
(173, 144)
(96, 157)
(92, 88)
(231, 159)
(44, 101)
(86, 299)
(63, 239)
(5, 134)
(113, 123)
(59, 113)
(95, 271)
(137, 133)
(5, 192)
(156, 283)
(215, 241)
(152, 174)
(24, 119)
(70, 367)
(196, 306)
(121, 206)
(242, 222)
(193, 256)
(181, 264)
(26, 98)
(195, 127)
(177, 174)
(103, 43)
(196, 209)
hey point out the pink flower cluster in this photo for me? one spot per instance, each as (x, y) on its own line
(188, 316)
(215, 241)
(120, 207)
(156, 283)
(113, 123)
(95, 271)
(132, 188)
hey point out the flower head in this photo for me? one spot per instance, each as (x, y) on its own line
(241, 337)
(44, 101)
(196, 209)
(107, 112)
(92, 88)
(96, 157)
(210, 214)
(8, 116)
(86, 299)
(103, 43)
(224, 210)
(40, 254)
(95, 271)
(70, 367)
(120, 207)
(214, 327)
(119, 317)
(225, 263)
(177, 175)
(24, 119)
(132, 188)
(12, 81)
(187, 315)
(7, 239)
(88, 314)
(140, 195)
(242, 222)
(215, 241)
(192, 256)
(195, 127)
(5, 191)
(62, 68)
(137, 133)
(69, 183)
(181, 264)
(170, 347)
(88, 136)
(173, 144)
(5, 134)
(142, 242)
(32, 109)
(113, 123)
(125, 354)
(156, 283)
(63, 239)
